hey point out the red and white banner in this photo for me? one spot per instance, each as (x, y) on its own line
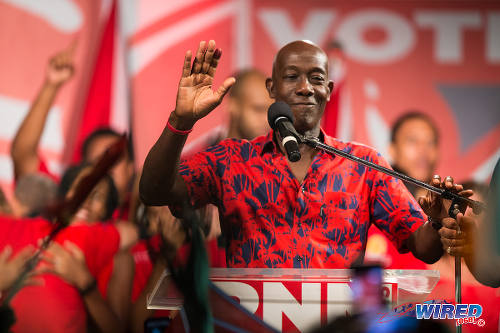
(441, 57)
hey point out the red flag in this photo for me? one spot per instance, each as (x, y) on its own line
(331, 122)
(96, 113)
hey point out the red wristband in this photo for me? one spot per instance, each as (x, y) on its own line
(176, 131)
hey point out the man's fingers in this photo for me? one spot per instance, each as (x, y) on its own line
(5, 254)
(448, 233)
(466, 223)
(48, 259)
(215, 62)
(24, 255)
(466, 193)
(453, 242)
(207, 61)
(224, 88)
(56, 250)
(199, 58)
(45, 269)
(74, 250)
(448, 182)
(423, 202)
(436, 180)
(186, 69)
(450, 223)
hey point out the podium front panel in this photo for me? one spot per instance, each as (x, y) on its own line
(306, 297)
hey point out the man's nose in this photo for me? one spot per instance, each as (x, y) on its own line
(304, 87)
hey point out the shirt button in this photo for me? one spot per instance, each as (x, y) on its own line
(303, 189)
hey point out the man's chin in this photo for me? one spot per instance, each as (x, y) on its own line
(305, 122)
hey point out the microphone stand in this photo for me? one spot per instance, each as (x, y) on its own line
(459, 203)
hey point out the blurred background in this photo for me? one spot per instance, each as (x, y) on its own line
(387, 57)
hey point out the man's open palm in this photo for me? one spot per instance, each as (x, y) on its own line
(195, 97)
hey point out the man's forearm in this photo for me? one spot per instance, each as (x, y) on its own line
(25, 143)
(162, 164)
(425, 244)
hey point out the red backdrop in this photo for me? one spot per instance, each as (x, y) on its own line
(442, 57)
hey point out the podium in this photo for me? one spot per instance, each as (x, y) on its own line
(299, 298)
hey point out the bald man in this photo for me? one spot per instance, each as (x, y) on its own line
(313, 213)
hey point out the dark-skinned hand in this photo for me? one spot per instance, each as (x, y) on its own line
(433, 205)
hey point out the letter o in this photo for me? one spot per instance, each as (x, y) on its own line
(400, 36)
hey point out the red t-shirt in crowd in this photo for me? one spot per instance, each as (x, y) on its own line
(56, 306)
(272, 220)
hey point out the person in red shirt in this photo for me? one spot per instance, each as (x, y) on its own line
(58, 302)
(78, 257)
(414, 151)
(274, 213)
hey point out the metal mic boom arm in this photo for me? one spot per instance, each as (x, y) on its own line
(477, 206)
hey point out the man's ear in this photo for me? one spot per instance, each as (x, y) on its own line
(330, 87)
(270, 87)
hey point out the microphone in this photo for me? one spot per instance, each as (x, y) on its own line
(280, 118)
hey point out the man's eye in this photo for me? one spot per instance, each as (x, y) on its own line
(318, 78)
(290, 76)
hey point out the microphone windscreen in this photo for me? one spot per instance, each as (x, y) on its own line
(279, 109)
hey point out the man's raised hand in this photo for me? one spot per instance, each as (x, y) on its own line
(61, 66)
(195, 97)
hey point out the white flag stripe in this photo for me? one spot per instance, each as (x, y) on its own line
(13, 111)
(148, 50)
(6, 169)
(64, 15)
(119, 113)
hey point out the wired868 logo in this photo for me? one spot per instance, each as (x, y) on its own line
(462, 313)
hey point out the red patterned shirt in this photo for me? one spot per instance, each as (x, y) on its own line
(270, 220)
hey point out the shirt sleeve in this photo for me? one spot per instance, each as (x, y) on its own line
(393, 209)
(203, 172)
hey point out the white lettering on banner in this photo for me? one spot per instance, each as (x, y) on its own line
(493, 38)
(448, 27)
(281, 29)
(338, 295)
(400, 37)
(278, 301)
(244, 292)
